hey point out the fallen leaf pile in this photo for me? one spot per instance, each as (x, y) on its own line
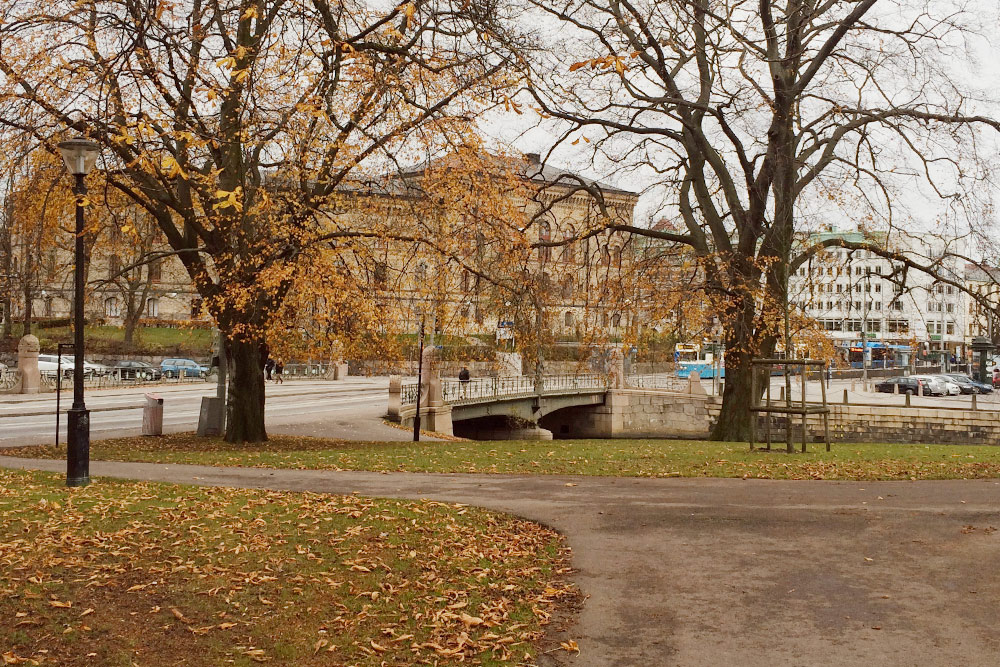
(141, 573)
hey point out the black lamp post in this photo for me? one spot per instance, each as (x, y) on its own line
(80, 156)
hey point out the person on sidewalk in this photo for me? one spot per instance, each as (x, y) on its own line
(464, 377)
(268, 368)
(279, 369)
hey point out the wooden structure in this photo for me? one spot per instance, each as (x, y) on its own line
(785, 406)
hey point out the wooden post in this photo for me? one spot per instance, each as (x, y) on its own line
(753, 402)
(826, 415)
(767, 415)
(805, 416)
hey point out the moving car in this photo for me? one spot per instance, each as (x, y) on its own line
(973, 385)
(175, 368)
(137, 370)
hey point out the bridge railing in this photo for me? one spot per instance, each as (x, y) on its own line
(477, 389)
(654, 381)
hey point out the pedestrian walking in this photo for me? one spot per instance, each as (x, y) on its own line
(268, 368)
(279, 369)
(464, 377)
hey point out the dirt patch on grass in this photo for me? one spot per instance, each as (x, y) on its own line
(121, 573)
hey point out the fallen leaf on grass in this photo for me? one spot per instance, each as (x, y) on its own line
(63, 605)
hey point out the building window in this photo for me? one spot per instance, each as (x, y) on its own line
(568, 319)
(114, 266)
(951, 328)
(112, 307)
(195, 308)
(544, 235)
(951, 308)
(616, 321)
(155, 270)
(153, 308)
(421, 273)
(567, 288)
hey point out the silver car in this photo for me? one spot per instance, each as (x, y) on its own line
(932, 385)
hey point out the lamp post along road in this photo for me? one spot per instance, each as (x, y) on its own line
(80, 156)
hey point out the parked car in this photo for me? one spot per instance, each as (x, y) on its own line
(48, 364)
(954, 389)
(137, 370)
(175, 368)
(907, 385)
(975, 386)
(932, 385)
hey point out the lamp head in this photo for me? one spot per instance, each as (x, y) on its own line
(80, 155)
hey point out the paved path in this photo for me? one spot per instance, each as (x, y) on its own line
(731, 572)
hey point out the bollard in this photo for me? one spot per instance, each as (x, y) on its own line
(907, 404)
(973, 402)
(152, 415)
(782, 394)
(895, 388)
(845, 397)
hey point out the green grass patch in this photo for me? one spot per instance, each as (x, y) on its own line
(110, 340)
(124, 573)
(621, 458)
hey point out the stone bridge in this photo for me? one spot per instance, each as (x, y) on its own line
(525, 407)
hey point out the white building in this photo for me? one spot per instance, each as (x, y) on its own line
(872, 306)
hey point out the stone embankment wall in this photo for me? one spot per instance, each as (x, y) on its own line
(632, 413)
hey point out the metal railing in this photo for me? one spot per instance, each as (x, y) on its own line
(478, 389)
(408, 393)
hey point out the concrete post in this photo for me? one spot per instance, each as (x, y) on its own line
(973, 402)
(395, 397)
(907, 404)
(27, 365)
(845, 397)
(152, 415)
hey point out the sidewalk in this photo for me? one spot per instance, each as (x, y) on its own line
(722, 571)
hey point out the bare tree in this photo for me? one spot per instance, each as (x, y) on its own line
(758, 119)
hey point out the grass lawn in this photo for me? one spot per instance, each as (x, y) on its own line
(109, 340)
(123, 573)
(626, 458)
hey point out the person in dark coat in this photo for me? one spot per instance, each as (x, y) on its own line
(268, 367)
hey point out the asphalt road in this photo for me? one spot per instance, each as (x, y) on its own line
(347, 409)
(709, 572)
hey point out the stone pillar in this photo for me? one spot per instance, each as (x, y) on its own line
(616, 369)
(435, 415)
(27, 365)
(395, 397)
(694, 384)
(430, 382)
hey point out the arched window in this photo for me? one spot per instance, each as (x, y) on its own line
(568, 318)
(567, 287)
(544, 235)
(153, 308)
(569, 250)
(605, 320)
(112, 307)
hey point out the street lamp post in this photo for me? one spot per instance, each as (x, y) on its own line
(80, 156)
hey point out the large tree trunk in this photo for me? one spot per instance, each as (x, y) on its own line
(737, 396)
(245, 404)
